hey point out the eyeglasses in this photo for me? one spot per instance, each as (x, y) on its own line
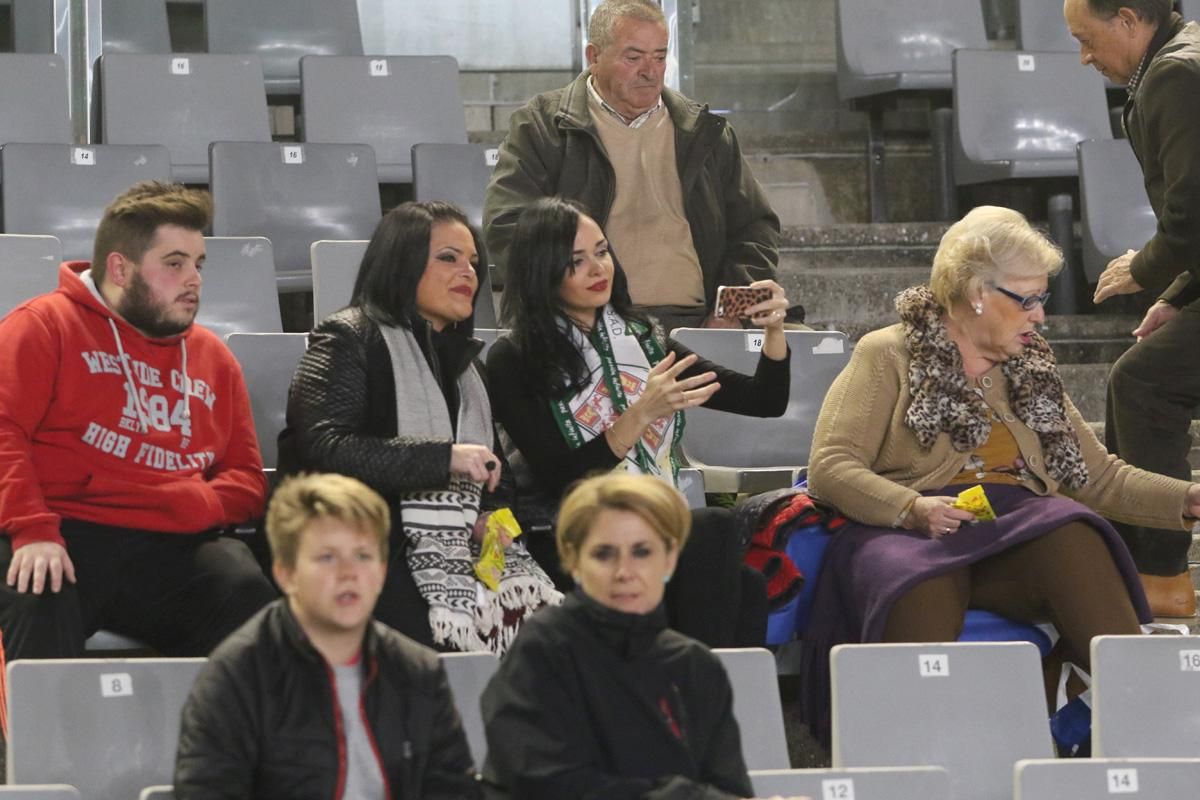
(1028, 302)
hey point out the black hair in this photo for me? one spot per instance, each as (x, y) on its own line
(392, 266)
(539, 256)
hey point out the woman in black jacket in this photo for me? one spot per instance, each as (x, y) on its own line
(599, 698)
(584, 384)
(389, 393)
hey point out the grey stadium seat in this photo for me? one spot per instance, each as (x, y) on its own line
(975, 709)
(1020, 115)
(860, 783)
(749, 454)
(238, 293)
(335, 267)
(457, 173)
(135, 26)
(62, 189)
(33, 26)
(28, 267)
(33, 99)
(1041, 26)
(903, 47)
(1114, 208)
(1103, 778)
(388, 102)
(281, 31)
(1146, 696)
(51, 791)
(109, 726)
(268, 362)
(294, 194)
(468, 674)
(1190, 9)
(756, 706)
(197, 100)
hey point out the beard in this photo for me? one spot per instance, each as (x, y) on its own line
(140, 310)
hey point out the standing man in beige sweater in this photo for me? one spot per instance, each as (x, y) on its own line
(660, 173)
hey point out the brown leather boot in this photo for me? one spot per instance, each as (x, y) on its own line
(1170, 595)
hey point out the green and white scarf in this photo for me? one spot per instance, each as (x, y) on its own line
(619, 354)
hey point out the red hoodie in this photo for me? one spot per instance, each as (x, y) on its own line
(94, 424)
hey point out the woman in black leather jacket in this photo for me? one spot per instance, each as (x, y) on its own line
(389, 393)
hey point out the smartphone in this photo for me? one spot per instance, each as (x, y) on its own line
(732, 301)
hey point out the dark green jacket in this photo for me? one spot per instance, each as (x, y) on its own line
(553, 148)
(1162, 120)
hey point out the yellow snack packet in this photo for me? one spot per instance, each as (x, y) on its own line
(975, 501)
(501, 529)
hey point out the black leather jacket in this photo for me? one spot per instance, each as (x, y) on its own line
(263, 719)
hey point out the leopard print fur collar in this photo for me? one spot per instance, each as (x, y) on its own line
(942, 399)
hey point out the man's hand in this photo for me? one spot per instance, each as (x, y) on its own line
(1158, 315)
(1116, 278)
(33, 562)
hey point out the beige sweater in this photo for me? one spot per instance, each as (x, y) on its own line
(867, 462)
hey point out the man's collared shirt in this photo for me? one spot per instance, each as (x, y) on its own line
(636, 122)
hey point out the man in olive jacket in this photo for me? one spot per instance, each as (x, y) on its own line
(661, 174)
(1155, 385)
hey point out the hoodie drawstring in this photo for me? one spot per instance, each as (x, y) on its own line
(130, 386)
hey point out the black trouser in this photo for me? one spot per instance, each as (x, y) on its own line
(400, 604)
(1153, 390)
(182, 594)
(713, 596)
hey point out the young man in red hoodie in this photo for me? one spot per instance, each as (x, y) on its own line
(126, 446)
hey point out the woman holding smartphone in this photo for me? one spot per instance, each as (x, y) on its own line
(583, 384)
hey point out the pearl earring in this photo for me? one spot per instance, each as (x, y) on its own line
(978, 309)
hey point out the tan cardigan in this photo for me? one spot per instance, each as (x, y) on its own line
(867, 462)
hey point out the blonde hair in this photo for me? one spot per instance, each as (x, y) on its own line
(989, 243)
(133, 218)
(604, 19)
(302, 499)
(661, 506)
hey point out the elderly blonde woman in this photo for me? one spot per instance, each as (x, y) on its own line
(964, 391)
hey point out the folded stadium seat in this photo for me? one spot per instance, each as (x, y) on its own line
(468, 674)
(62, 189)
(1190, 9)
(458, 173)
(1090, 778)
(28, 267)
(33, 26)
(903, 47)
(388, 102)
(1146, 697)
(1041, 26)
(135, 26)
(268, 362)
(33, 99)
(335, 268)
(749, 454)
(1020, 115)
(1115, 210)
(197, 100)
(756, 706)
(110, 726)
(293, 194)
(975, 709)
(239, 293)
(53, 791)
(281, 31)
(862, 783)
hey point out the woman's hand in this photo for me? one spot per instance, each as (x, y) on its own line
(769, 315)
(665, 393)
(475, 462)
(936, 516)
(1193, 501)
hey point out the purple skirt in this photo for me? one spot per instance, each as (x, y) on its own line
(866, 569)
